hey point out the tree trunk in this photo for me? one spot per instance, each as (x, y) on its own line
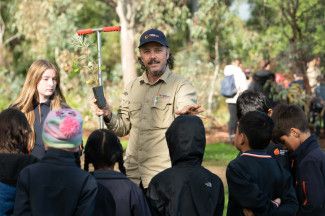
(2, 48)
(215, 76)
(126, 12)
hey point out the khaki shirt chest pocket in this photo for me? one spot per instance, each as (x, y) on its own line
(135, 113)
(162, 114)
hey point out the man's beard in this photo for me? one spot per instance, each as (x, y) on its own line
(155, 73)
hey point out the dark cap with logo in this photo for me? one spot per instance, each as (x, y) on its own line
(153, 35)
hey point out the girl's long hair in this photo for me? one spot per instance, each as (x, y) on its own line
(14, 131)
(103, 148)
(29, 95)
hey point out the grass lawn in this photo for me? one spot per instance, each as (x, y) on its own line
(219, 154)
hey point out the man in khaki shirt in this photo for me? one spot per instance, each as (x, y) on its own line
(149, 105)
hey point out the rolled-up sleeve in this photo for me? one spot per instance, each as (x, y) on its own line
(120, 122)
(186, 95)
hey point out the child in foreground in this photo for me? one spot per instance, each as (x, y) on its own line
(56, 185)
(15, 133)
(187, 188)
(306, 157)
(256, 101)
(258, 183)
(103, 150)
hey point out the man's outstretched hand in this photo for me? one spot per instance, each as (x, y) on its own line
(193, 109)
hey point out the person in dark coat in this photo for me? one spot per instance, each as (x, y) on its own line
(262, 80)
(186, 188)
(256, 101)
(14, 133)
(103, 150)
(257, 183)
(56, 185)
(307, 159)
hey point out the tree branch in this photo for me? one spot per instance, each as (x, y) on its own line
(17, 35)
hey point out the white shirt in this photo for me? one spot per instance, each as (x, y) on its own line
(240, 81)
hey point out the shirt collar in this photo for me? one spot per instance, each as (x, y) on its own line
(164, 77)
(309, 144)
(108, 174)
(36, 103)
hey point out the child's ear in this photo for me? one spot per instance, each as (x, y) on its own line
(295, 132)
(269, 112)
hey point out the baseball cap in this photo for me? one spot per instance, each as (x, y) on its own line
(153, 35)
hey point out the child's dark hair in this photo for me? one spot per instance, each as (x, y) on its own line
(287, 116)
(252, 101)
(103, 148)
(14, 131)
(257, 126)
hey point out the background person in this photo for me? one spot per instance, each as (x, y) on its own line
(241, 85)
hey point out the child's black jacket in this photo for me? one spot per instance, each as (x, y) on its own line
(254, 180)
(308, 170)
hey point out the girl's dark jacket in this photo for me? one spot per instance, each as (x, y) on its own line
(186, 188)
(10, 166)
(128, 197)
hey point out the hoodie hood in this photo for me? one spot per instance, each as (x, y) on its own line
(186, 140)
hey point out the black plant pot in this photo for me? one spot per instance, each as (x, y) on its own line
(99, 95)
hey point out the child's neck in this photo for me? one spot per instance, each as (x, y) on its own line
(105, 168)
(304, 136)
(245, 148)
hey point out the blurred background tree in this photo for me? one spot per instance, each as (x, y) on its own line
(203, 36)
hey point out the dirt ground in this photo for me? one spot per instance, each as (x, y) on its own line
(216, 135)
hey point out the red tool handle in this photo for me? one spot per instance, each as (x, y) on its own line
(104, 29)
(111, 28)
(85, 31)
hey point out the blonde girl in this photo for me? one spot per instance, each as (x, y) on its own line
(40, 94)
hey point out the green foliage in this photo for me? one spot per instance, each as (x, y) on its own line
(193, 63)
(8, 78)
(95, 14)
(45, 29)
(292, 95)
(288, 31)
(319, 39)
